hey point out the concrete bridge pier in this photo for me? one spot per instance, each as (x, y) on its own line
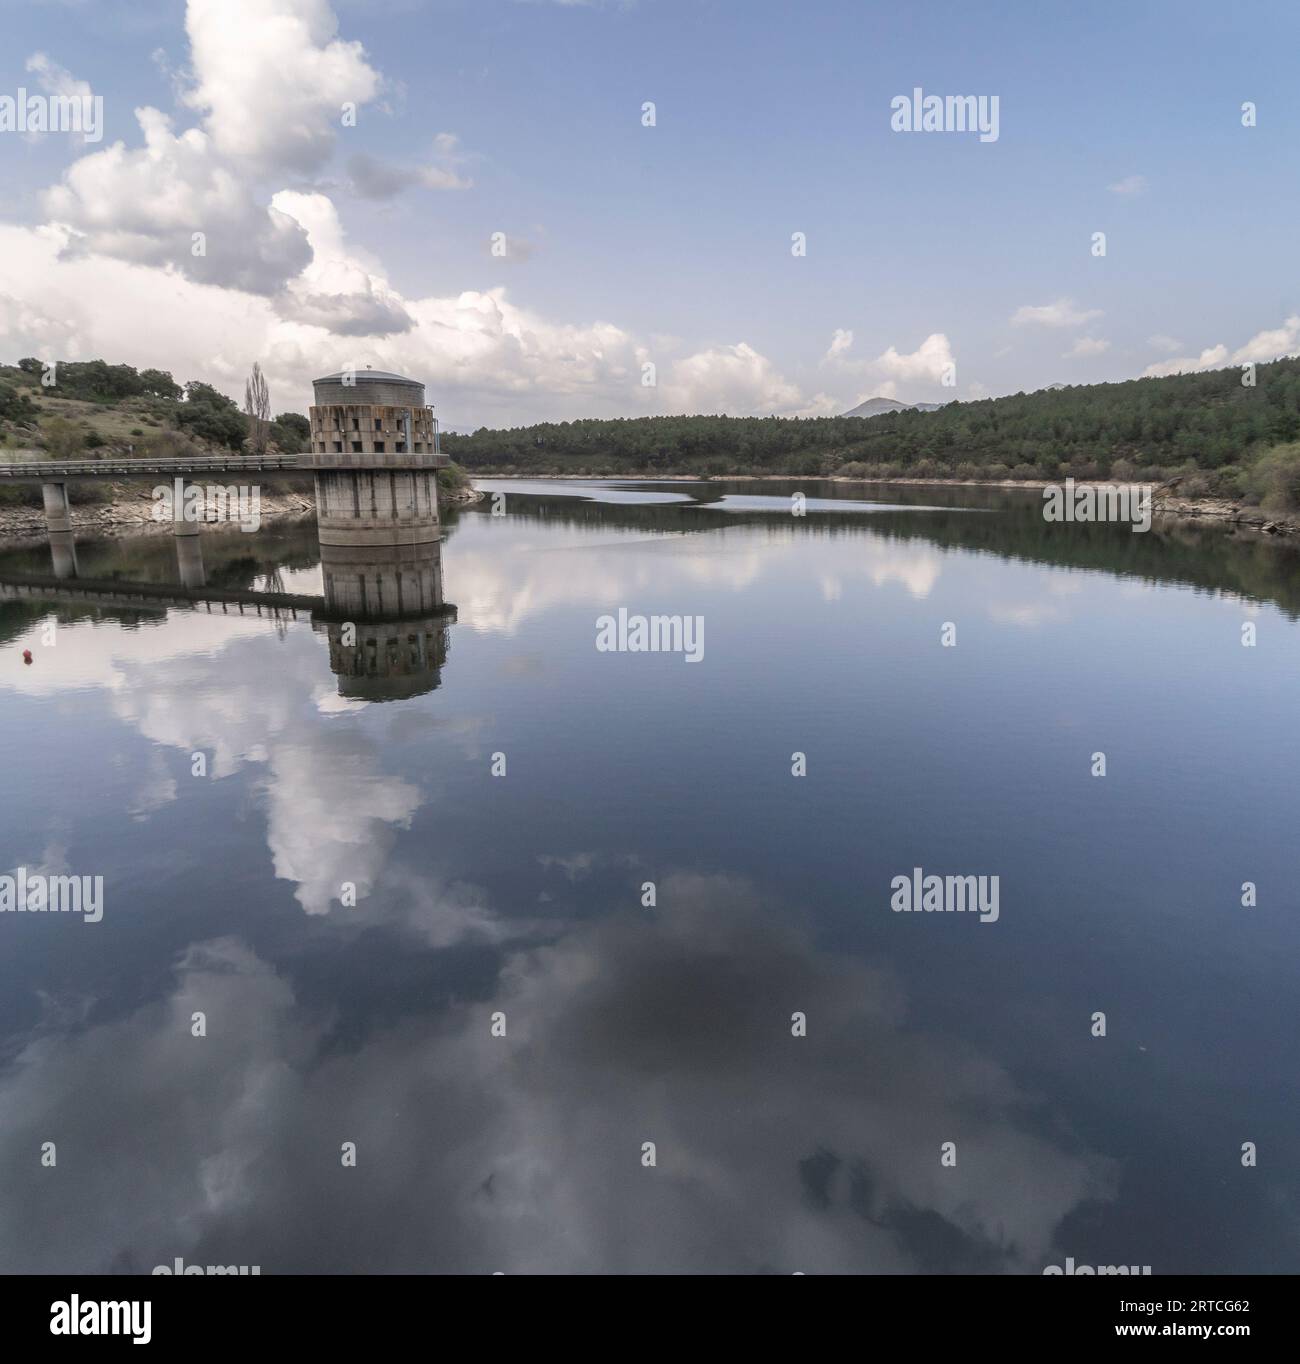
(180, 526)
(58, 513)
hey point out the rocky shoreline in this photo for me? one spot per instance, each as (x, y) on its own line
(1163, 503)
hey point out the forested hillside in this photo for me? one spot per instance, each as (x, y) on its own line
(1208, 427)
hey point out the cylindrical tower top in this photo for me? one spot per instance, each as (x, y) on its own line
(369, 386)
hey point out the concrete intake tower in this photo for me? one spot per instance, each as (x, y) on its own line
(374, 452)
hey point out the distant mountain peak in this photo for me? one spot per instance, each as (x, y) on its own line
(877, 407)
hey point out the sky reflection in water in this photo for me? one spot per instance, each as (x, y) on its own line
(522, 894)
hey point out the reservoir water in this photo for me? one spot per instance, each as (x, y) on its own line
(514, 953)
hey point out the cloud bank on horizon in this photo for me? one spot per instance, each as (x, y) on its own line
(213, 237)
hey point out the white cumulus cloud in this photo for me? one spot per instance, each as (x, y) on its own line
(145, 205)
(271, 78)
(1062, 313)
(1085, 347)
(912, 373)
(736, 380)
(1269, 344)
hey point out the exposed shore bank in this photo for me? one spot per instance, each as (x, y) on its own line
(1163, 504)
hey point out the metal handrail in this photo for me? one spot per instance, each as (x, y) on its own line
(52, 468)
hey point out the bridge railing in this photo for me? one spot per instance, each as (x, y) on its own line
(51, 470)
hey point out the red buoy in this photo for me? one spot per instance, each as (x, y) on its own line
(27, 655)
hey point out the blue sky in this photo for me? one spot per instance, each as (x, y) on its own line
(772, 118)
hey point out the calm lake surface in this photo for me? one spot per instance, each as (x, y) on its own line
(481, 895)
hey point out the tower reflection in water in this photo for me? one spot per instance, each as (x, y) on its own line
(385, 618)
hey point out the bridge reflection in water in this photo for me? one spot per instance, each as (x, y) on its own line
(383, 611)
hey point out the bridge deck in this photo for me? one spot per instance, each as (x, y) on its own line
(37, 470)
(76, 470)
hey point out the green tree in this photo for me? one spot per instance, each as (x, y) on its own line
(159, 383)
(291, 432)
(211, 416)
(1275, 478)
(15, 406)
